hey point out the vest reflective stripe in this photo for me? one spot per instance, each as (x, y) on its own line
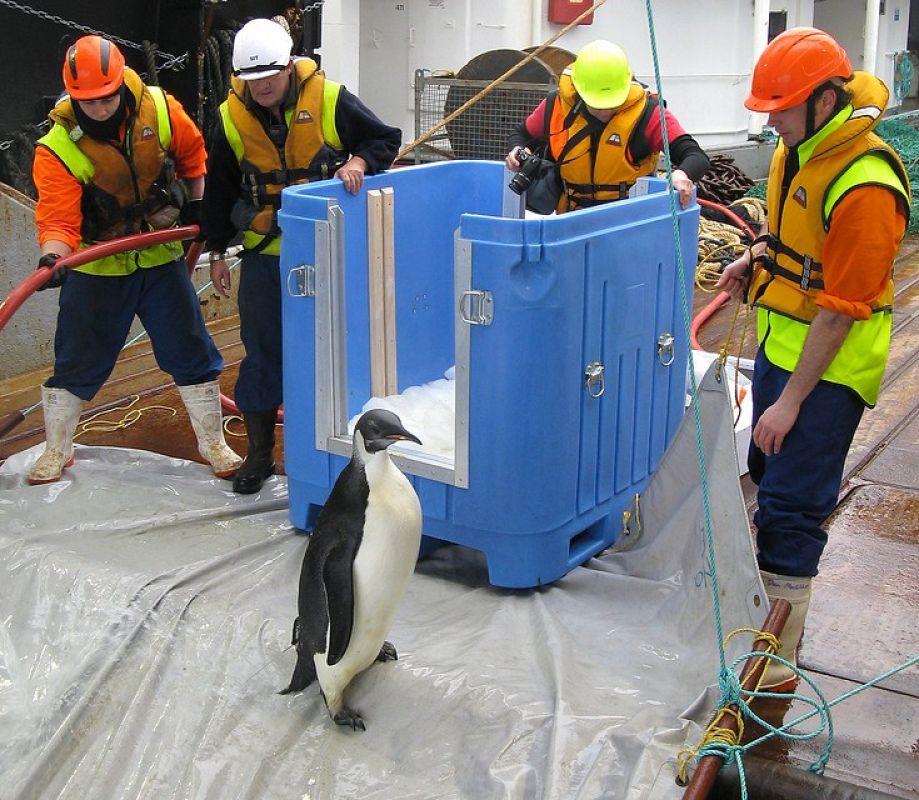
(842, 156)
(97, 164)
(590, 179)
(860, 362)
(872, 169)
(309, 149)
(59, 142)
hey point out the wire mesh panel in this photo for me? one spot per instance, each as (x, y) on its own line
(479, 132)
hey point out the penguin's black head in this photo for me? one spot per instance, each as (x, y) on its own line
(379, 428)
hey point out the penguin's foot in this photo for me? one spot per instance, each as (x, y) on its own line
(349, 719)
(387, 652)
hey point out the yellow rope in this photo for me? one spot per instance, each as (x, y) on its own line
(232, 418)
(714, 732)
(710, 267)
(94, 423)
(715, 238)
(727, 349)
(758, 636)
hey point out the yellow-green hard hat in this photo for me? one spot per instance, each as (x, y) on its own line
(601, 74)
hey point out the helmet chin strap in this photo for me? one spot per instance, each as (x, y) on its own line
(810, 117)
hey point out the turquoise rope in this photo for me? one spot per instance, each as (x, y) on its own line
(727, 678)
(684, 302)
(729, 683)
(820, 707)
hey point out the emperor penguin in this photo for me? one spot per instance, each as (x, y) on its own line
(356, 568)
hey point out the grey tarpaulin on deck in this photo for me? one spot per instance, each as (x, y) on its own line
(145, 616)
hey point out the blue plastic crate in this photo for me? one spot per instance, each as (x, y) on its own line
(544, 467)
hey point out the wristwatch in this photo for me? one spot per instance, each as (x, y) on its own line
(217, 255)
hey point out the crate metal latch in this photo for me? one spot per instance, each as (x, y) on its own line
(665, 352)
(594, 380)
(301, 281)
(477, 307)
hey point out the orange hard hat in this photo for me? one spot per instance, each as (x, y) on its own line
(93, 68)
(793, 64)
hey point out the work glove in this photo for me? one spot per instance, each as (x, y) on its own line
(57, 278)
(190, 214)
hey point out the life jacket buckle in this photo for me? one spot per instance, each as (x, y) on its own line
(806, 273)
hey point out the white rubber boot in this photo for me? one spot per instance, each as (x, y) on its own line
(797, 591)
(61, 410)
(202, 401)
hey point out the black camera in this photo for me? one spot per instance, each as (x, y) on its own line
(530, 166)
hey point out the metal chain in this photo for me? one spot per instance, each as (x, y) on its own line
(45, 123)
(170, 61)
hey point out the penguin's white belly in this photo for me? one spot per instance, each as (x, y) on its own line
(384, 563)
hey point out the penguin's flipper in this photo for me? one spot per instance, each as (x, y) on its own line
(304, 675)
(338, 580)
(312, 621)
(388, 652)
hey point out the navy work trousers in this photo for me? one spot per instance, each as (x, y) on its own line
(799, 486)
(95, 314)
(259, 386)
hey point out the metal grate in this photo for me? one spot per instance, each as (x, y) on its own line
(481, 131)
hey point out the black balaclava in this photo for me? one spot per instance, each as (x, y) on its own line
(107, 130)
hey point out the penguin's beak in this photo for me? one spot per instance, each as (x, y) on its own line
(404, 436)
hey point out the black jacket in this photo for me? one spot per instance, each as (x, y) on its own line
(362, 134)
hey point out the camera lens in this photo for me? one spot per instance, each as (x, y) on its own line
(520, 183)
(529, 164)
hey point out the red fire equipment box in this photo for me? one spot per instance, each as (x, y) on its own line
(565, 11)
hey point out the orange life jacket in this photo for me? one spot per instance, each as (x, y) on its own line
(593, 177)
(129, 187)
(311, 150)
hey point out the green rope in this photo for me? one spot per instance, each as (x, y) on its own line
(904, 138)
(731, 693)
(820, 707)
(684, 302)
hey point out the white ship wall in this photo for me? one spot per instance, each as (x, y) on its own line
(872, 32)
(27, 341)
(706, 49)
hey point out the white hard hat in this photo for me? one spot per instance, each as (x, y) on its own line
(261, 49)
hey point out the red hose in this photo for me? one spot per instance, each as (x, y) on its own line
(720, 299)
(704, 315)
(737, 220)
(39, 277)
(192, 256)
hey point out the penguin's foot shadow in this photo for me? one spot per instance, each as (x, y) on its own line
(454, 562)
